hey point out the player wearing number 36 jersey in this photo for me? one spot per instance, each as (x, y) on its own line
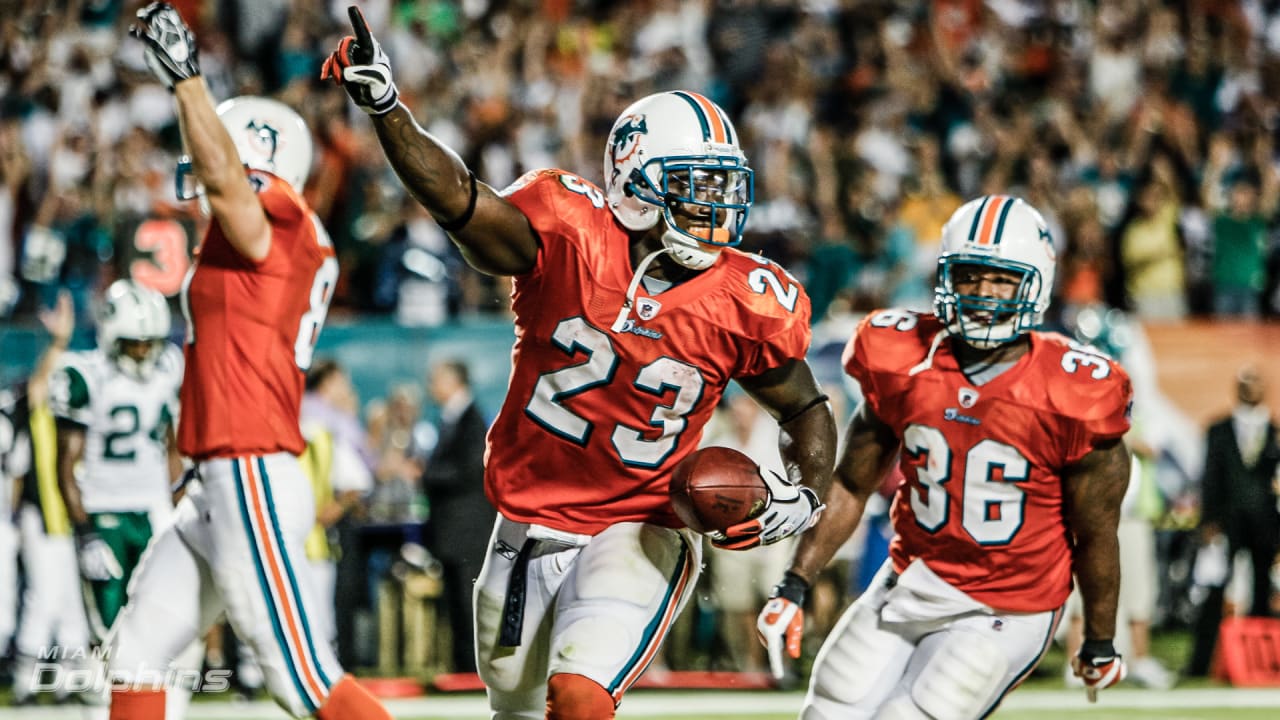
(989, 455)
(1010, 444)
(255, 301)
(632, 313)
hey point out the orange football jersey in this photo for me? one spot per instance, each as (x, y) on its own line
(982, 504)
(594, 420)
(251, 329)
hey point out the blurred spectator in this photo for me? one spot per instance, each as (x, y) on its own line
(1239, 226)
(330, 402)
(852, 111)
(459, 515)
(1239, 499)
(340, 480)
(1151, 249)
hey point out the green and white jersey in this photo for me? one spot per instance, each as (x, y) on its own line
(125, 467)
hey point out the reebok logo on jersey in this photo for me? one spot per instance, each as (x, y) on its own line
(646, 308)
(968, 397)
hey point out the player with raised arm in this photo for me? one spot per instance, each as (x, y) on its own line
(255, 301)
(633, 311)
(1010, 441)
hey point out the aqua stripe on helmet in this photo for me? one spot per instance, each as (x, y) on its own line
(977, 217)
(697, 110)
(1004, 213)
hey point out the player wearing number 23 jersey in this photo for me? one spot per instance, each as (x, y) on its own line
(620, 408)
(633, 310)
(982, 503)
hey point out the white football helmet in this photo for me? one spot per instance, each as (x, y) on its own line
(677, 152)
(131, 311)
(269, 136)
(1004, 232)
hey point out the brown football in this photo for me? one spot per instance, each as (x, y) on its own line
(717, 487)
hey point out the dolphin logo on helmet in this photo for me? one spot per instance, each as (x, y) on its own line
(268, 136)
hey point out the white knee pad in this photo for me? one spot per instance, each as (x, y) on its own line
(851, 662)
(901, 708)
(961, 679)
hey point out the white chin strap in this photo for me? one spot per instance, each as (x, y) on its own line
(689, 253)
(624, 313)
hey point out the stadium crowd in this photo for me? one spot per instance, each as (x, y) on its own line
(1144, 131)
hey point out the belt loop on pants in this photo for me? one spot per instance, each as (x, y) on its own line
(513, 605)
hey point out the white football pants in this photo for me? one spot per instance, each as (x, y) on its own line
(956, 668)
(594, 606)
(236, 545)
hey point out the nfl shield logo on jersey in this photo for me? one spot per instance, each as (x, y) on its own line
(968, 396)
(646, 308)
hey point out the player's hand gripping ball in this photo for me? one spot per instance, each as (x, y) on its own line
(716, 488)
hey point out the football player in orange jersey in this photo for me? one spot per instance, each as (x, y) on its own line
(633, 311)
(1010, 443)
(255, 301)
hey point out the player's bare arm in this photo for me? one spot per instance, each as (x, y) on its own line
(1093, 490)
(60, 322)
(497, 238)
(71, 440)
(217, 166)
(870, 450)
(791, 395)
(171, 55)
(171, 452)
(494, 235)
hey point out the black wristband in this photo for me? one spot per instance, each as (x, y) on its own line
(812, 403)
(461, 221)
(1097, 649)
(793, 588)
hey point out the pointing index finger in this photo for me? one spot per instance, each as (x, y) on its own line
(361, 28)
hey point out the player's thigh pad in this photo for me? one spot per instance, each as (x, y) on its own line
(619, 600)
(257, 511)
(515, 678)
(859, 663)
(963, 671)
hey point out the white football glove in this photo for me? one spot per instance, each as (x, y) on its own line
(1099, 666)
(781, 622)
(791, 510)
(171, 48)
(97, 562)
(361, 67)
